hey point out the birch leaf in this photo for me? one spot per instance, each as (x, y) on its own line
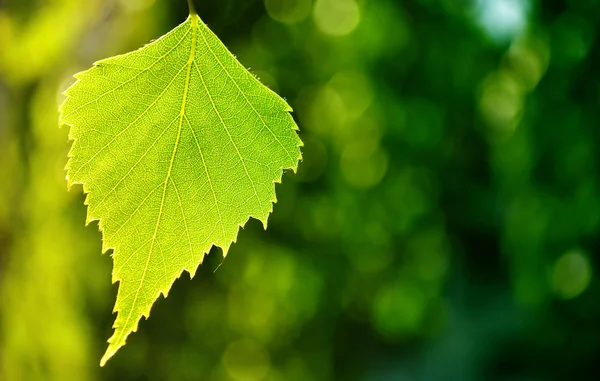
(177, 145)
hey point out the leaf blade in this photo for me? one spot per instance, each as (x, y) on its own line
(197, 168)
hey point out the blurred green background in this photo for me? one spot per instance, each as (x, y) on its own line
(442, 226)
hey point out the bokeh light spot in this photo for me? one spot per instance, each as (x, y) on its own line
(528, 59)
(363, 164)
(501, 103)
(327, 111)
(572, 274)
(336, 17)
(288, 11)
(136, 5)
(398, 309)
(246, 360)
(355, 90)
(503, 20)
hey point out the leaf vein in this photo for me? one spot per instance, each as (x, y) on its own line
(245, 97)
(229, 135)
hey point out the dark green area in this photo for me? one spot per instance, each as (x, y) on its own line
(443, 224)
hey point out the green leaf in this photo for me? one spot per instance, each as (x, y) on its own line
(177, 145)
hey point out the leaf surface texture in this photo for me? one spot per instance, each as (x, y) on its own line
(177, 145)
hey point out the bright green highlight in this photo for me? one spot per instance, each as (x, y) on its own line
(572, 274)
(177, 145)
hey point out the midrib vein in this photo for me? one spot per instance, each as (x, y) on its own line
(194, 27)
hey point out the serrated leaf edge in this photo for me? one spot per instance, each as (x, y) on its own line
(89, 218)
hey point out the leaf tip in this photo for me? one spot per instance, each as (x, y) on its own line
(110, 352)
(113, 348)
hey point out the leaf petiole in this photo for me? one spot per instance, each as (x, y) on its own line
(192, 8)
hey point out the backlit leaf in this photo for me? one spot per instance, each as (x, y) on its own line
(177, 145)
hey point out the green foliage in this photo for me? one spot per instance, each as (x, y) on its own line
(443, 224)
(177, 146)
